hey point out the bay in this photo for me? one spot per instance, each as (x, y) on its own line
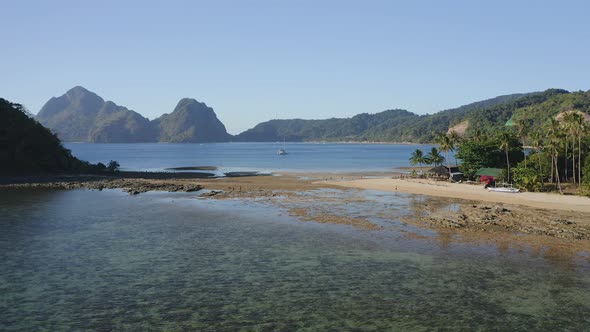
(328, 157)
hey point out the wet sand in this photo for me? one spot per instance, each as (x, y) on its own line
(540, 219)
(551, 201)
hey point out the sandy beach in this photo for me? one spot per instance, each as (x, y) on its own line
(552, 201)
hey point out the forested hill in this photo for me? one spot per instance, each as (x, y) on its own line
(81, 115)
(28, 147)
(388, 126)
(489, 120)
(536, 115)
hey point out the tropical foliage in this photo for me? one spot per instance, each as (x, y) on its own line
(27, 147)
(558, 146)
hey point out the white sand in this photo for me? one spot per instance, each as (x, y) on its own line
(552, 201)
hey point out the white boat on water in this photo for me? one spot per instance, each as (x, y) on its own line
(282, 151)
(511, 190)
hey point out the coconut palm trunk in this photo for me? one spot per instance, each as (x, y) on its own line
(579, 159)
(565, 167)
(557, 173)
(448, 165)
(524, 150)
(507, 164)
(552, 162)
(574, 158)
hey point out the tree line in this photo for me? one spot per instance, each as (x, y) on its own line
(552, 156)
(27, 147)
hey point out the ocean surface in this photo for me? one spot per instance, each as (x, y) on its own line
(262, 157)
(107, 261)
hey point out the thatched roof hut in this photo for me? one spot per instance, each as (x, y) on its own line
(439, 171)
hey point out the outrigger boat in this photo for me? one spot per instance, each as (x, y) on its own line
(511, 190)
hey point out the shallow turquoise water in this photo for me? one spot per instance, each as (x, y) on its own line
(89, 260)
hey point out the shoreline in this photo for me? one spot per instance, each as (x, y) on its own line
(473, 192)
(542, 218)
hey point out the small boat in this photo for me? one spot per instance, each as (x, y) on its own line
(282, 151)
(511, 190)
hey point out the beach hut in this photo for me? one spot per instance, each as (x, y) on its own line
(489, 174)
(443, 171)
(493, 172)
(439, 171)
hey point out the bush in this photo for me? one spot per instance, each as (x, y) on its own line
(527, 178)
(540, 162)
(113, 166)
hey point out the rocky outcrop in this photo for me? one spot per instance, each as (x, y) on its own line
(460, 128)
(191, 122)
(82, 116)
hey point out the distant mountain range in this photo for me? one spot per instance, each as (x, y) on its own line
(83, 116)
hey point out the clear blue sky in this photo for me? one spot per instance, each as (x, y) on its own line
(256, 60)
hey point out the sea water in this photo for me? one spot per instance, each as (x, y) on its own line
(301, 157)
(104, 260)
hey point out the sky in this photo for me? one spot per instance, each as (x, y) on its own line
(258, 60)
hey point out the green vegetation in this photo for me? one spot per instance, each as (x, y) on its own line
(113, 166)
(81, 115)
(558, 156)
(447, 143)
(418, 158)
(26, 147)
(389, 126)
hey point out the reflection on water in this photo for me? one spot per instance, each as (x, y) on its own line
(76, 260)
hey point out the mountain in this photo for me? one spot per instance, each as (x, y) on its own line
(27, 147)
(123, 127)
(388, 126)
(191, 122)
(82, 116)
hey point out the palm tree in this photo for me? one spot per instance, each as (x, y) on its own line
(446, 143)
(523, 127)
(536, 141)
(551, 130)
(568, 126)
(577, 124)
(434, 157)
(477, 135)
(505, 139)
(417, 158)
(582, 129)
(553, 144)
